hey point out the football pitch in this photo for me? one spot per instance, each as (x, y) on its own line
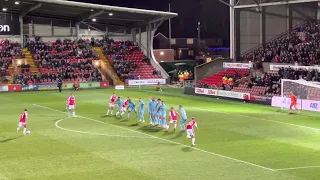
(235, 141)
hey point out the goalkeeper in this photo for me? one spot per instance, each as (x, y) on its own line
(293, 102)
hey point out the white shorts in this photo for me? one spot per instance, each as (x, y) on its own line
(173, 121)
(190, 132)
(111, 104)
(21, 124)
(71, 107)
(123, 109)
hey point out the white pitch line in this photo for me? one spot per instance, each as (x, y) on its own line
(173, 142)
(241, 115)
(97, 134)
(305, 167)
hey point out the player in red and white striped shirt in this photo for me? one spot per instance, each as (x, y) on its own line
(173, 114)
(112, 101)
(190, 131)
(23, 121)
(71, 102)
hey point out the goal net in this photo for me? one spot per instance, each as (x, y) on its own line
(308, 94)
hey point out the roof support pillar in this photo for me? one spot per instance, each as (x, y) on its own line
(148, 29)
(134, 35)
(232, 31)
(26, 11)
(139, 38)
(77, 31)
(21, 31)
(262, 26)
(107, 31)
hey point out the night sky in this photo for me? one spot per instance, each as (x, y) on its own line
(213, 15)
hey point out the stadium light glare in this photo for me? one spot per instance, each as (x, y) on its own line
(4, 9)
(110, 14)
(16, 2)
(94, 19)
(161, 53)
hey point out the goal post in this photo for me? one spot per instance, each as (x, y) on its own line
(308, 94)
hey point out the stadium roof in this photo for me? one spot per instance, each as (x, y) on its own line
(259, 3)
(85, 12)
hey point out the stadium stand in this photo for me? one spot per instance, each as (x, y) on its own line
(73, 61)
(127, 59)
(298, 47)
(216, 79)
(9, 51)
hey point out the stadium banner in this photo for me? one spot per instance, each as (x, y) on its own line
(29, 87)
(104, 84)
(4, 89)
(14, 88)
(119, 87)
(231, 94)
(45, 87)
(146, 82)
(276, 67)
(221, 93)
(10, 26)
(237, 65)
(94, 84)
(260, 98)
(204, 91)
(84, 85)
(67, 86)
(283, 102)
(303, 104)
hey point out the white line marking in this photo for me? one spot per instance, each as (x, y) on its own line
(173, 142)
(97, 134)
(305, 167)
(317, 129)
(241, 115)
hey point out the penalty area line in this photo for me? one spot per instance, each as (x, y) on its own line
(172, 142)
(295, 168)
(97, 134)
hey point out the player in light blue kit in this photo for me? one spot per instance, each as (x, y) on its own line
(119, 104)
(150, 109)
(183, 118)
(131, 107)
(164, 115)
(141, 110)
(158, 113)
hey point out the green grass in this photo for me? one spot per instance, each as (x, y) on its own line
(236, 141)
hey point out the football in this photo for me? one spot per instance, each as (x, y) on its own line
(28, 132)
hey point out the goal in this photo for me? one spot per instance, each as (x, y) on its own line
(308, 94)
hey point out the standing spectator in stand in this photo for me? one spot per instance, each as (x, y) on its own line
(59, 84)
(230, 82)
(224, 82)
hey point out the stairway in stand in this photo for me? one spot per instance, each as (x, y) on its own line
(106, 67)
(30, 61)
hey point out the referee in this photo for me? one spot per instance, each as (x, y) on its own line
(59, 83)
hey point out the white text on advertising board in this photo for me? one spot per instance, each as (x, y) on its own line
(146, 82)
(4, 28)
